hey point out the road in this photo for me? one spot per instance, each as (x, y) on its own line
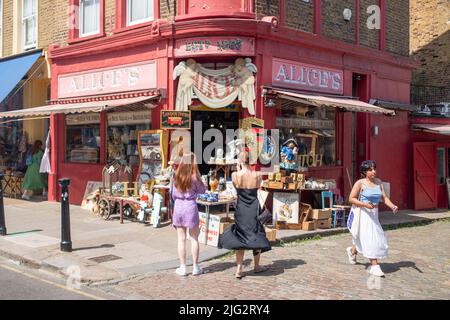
(20, 283)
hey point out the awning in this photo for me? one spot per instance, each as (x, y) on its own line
(432, 128)
(94, 106)
(393, 105)
(343, 103)
(13, 70)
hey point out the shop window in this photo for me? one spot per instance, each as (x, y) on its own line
(89, 17)
(83, 138)
(123, 128)
(307, 135)
(139, 11)
(29, 24)
(441, 164)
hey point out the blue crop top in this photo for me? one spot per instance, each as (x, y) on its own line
(372, 195)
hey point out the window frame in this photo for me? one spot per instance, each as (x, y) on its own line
(137, 22)
(80, 20)
(23, 19)
(121, 23)
(75, 30)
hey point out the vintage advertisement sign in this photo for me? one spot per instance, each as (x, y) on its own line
(302, 76)
(209, 229)
(131, 77)
(175, 119)
(201, 46)
(128, 118)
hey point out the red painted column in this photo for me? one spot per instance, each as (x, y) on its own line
(103, 137)
(317, 29)
(54, 144)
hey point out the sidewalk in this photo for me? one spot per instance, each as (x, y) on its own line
(106, 251)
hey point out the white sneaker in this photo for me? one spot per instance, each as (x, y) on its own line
(26, 197)
(351, 256)
(197, 270)
(181, 271)
(376, 271)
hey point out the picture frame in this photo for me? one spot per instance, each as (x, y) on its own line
(152, 145)
(286, 207)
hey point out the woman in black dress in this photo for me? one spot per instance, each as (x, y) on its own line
(247, 233)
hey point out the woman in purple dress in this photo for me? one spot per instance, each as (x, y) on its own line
(187, 185)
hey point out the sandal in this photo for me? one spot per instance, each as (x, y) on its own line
(260, 269)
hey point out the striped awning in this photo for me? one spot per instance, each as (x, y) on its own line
(84, 107)
(336, 102)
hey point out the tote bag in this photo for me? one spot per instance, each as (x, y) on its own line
(353, 221)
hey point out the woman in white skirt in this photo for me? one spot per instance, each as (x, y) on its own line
(371, 242)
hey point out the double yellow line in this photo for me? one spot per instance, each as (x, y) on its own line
(51, 283)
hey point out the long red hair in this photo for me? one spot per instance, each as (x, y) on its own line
(186, 171)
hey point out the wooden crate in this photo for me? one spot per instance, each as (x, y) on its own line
(282, 225)
(323, 224)
(321, 214)
(309, 225)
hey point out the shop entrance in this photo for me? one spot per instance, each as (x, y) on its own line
(220, 120)
(424, 159)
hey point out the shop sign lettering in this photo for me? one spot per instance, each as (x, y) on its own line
(305, 123)
(83, 118)
(214, 45)
(138, 76)
(302, 76)
(127, 118)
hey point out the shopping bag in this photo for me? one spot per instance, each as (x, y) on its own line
(353, 221)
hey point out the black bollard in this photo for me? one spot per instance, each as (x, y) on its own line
(2, 209)
(66, 243)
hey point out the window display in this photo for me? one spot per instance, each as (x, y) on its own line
(83, 138)
(122, 135)
(307, 135)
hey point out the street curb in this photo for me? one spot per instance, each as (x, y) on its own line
(40, 265)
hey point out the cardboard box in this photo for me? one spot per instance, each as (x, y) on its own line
(323, 224)
(271, 234)
(309, 225)
(320, 214)
(224, 224)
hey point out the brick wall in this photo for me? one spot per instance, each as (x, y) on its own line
(7, 27)
(333, 25)
(430, 43)
(110, 16)
(367, 37)
(167, 9)
(397, 26)
(266, 8)
(52, 22)
(300, 15)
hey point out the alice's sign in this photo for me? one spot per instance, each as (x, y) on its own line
(302, 76)
(175, 119)
(193, 47)
(131, 77)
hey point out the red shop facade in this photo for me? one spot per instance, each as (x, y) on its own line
(291, 67)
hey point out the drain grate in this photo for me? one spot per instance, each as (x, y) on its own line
(109, 257)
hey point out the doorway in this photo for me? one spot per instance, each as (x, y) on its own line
(204, 120)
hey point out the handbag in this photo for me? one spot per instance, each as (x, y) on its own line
(264, 216)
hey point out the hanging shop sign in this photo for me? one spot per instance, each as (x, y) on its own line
(305, 123)
(216, 88)
(82, 118)
(202, 46)
(128, 118)
(302, 76)
(175, 119)
(131, 77)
